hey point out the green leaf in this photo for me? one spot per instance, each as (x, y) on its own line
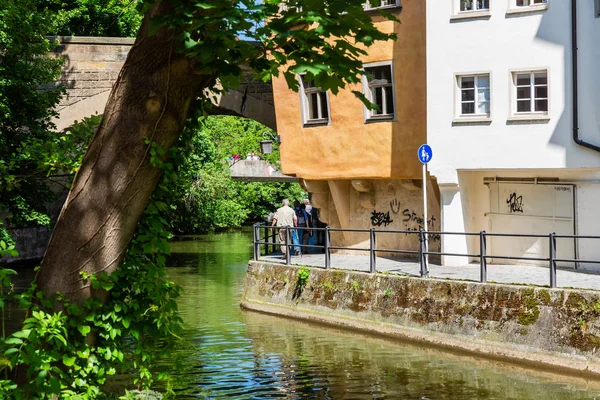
(84, 329)
(68, 361)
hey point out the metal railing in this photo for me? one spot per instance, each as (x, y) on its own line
(422, 253)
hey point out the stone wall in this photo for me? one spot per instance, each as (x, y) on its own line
(92, 65)
(552, 329)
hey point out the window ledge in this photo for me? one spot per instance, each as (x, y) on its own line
(472, 121)
(315, 123)
(527, 10)
(373, 120)
(529, 117)
(471, 15)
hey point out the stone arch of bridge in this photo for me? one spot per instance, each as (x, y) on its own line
(92, 66)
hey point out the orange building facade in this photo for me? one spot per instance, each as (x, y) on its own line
(360, 167)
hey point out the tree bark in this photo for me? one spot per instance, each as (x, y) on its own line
(150, 100)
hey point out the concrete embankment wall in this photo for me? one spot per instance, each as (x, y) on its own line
(539, 327)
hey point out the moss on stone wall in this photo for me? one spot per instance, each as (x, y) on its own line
(560, 319)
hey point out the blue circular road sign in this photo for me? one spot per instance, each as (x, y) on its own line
(425, 153)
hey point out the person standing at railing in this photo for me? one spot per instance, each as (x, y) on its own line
(303, 226)
(284, 217)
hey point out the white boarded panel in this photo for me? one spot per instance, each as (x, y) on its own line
(563, 201)
(531, 209)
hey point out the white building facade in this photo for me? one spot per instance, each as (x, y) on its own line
(513, 151)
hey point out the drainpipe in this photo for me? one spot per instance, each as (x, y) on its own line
(574, 49)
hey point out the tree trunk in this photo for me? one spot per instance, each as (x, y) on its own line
(150, 100)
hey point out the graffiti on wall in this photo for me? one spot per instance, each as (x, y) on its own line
(414, 223)
(395, 206)
(381, 218)
(515, 203)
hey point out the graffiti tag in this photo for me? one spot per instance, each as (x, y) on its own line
(395, 206)
(380, 218)
(515, 203)
(413, 217)
(414, 223)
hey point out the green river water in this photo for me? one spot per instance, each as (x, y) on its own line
(231, 353)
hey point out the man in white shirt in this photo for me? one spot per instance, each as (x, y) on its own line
(285, 216)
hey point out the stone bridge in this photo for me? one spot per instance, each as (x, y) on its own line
(92, 65)
(257, 171)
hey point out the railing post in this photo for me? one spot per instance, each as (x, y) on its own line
(552, 258)
(266, 240)
(372, 252)
(482, 257)
(255, 241)
(288, 246)
(422, 255)
(327, 250)
(273, 240)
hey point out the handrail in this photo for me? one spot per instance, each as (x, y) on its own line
(422, 253)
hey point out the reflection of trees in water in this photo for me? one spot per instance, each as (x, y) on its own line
(352, 366)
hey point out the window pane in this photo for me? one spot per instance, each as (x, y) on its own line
(523, 106)
(389, 100)
(483, 95)
(541, 105)
(523, 79)
(541, 78)
(483, 4)
(483, 81)
(541, 92)
(314, 106)
(324, 111)
(468, 95)
(483, 108)
(524, 92)
(378, 99)
(381, 75)
(468, 108)
(467, 82)
(521, 3)
(466, 5)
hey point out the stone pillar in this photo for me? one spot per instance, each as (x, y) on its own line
(452, 220)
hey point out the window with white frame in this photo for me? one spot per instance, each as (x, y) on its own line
(379, 89)
(530, 92)
(473, 95)
(315, 107)
(375, 4)
(530, 3)
(474, 5)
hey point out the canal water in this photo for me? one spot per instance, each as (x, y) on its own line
(231, 353)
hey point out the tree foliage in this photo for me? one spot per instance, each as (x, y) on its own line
(28, 97)
(135, 325)
(324, 40)
(119, 18)
(205, 196)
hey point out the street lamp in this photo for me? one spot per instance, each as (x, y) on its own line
(266, 145)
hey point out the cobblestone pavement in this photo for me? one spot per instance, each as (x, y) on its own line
(514, 274)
